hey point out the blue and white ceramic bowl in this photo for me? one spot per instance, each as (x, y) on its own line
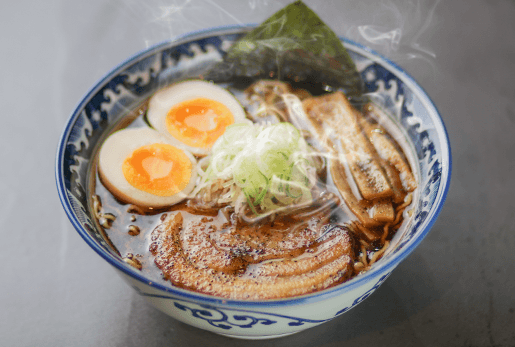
(133, 81)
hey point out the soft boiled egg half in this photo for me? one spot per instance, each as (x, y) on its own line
(142, 167)
(194, 114)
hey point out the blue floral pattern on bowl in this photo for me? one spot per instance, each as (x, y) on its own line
(228, 318)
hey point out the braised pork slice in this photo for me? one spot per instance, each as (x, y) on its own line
(263, 261)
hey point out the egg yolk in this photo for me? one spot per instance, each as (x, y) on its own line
(198, 122)
(158, 169)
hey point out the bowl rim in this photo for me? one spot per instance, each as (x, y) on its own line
(383, 268)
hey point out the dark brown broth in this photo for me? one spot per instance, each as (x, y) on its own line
(138, 245)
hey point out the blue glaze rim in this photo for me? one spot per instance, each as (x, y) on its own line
(375, 272)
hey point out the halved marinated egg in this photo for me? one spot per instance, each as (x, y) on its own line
(194, 113)
(142, 167)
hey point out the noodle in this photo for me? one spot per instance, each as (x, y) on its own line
(106, 220)
(97, 206)
(133, 230)
(408, 201)
(364, 255)
(385, 233)
(377, 255)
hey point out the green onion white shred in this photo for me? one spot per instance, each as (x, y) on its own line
(264, 167)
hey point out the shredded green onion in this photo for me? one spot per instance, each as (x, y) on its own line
(270, 165)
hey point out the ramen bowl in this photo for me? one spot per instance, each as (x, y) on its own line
(132, 82)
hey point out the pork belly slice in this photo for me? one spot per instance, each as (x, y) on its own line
(326, 262)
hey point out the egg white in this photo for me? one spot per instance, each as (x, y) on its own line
(120, 145)
(162, 101)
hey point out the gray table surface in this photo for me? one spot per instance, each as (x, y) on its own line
(455, 289)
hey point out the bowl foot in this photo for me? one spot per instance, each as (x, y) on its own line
(258, 337)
